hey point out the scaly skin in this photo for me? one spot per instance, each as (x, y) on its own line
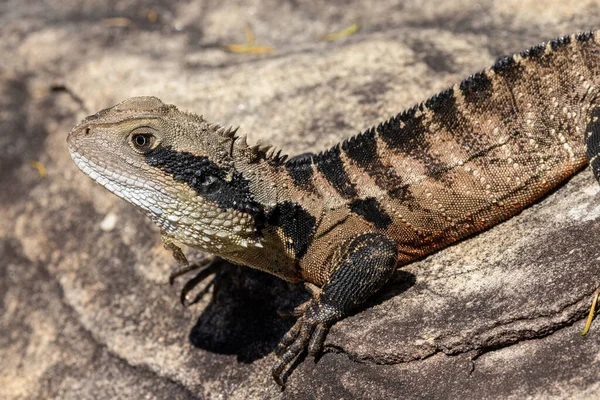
(344, 219)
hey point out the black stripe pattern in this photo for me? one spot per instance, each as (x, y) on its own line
(371, 210)
(407, 134)
(592, 133)
(362, 150)
(296, 223)
(300, 169)
(208, 180)
(329, 163)
(476, 88)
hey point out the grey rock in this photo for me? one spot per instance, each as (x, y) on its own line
(86, 309)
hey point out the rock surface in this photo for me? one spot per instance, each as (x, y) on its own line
(86, 311)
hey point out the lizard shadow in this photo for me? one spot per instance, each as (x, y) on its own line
(399, 283)
(242, 316)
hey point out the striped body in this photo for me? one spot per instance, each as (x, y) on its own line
(460, 162)
(454, 165)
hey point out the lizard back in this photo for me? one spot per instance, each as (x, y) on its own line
(468, 158)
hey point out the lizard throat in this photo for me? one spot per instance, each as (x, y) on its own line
(190, 221)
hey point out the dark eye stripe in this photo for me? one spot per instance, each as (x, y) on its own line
(195, 170)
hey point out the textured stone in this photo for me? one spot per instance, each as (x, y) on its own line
(87, 312)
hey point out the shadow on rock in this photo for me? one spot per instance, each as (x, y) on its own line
(399, 283)
(242, 317)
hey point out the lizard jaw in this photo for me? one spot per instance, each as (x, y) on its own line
(208, 236)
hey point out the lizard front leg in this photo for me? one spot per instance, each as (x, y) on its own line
(361, 266)
(206, 267)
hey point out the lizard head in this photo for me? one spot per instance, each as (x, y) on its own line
(174, 166)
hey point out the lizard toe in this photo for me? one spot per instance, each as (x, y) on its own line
(308, 333)
(292, 346)
(317, 340)
(213, 267)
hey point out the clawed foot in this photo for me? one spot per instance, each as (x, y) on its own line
(308, 332)
(295, 312)
(185, 267)
(206, 268)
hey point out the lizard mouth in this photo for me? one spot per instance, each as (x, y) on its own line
(117, 182)
(210, 237)
(128, 189)
(91, 169)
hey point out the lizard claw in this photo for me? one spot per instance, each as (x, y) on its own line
(308, 333)
(185, 267)
(182, 270)
(190, 285)
(294, 312)
(205, 270)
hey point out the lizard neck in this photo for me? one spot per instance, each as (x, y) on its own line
(260, 238)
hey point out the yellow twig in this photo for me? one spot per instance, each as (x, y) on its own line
(41, 169)
(152, 15)
(590, 317)
(351, 30)
(249, 36)
(244, 48)
(248, 47)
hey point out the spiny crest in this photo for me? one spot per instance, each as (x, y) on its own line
(476, 83)
(275, 156)
(584, 36)
(358, 139)
(194, 117)
(260, 151)
(267, 152)
(228, 132)
(507, 62)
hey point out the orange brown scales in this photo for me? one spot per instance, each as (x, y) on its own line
(344, 219)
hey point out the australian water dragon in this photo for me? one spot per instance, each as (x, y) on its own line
(344, 219)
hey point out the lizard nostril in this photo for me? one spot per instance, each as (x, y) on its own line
(87, 131)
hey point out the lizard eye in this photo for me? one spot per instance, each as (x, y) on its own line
(143, 142)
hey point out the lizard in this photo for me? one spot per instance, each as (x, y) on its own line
(344, 219)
